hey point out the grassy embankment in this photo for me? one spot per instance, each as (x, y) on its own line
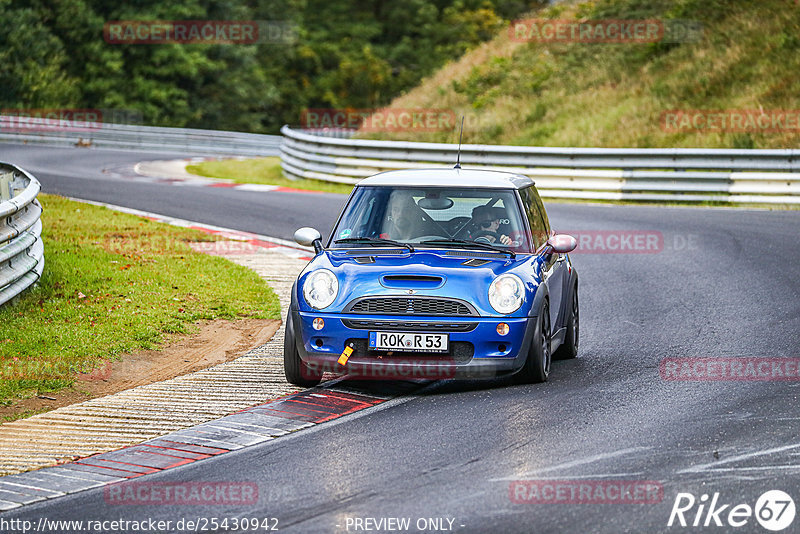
(114, 283)
(614, 95)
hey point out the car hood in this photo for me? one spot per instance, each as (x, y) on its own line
(444, 273)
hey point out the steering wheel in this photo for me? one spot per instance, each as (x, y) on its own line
(483, 233)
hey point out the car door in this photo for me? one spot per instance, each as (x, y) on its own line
(553, 269)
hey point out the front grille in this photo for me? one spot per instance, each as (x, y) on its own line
(460, 352)
(365, 324)
(442, 307)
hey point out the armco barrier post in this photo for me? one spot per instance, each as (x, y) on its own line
(5, 186)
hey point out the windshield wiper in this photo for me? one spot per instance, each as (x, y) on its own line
(468, 243)
(375, 242)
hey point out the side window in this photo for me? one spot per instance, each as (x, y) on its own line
(536, 218)
(540, 207)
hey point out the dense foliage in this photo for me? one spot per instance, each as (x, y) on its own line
(347, 53)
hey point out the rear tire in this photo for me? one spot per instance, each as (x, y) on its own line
(537, 366)
(296, 371)
(569, 349)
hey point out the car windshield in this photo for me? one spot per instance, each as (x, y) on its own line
(432, 217)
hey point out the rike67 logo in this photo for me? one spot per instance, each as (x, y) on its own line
(774, 510)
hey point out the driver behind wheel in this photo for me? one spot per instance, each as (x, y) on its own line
(485, 223)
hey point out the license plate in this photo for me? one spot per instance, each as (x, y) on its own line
(408, 341)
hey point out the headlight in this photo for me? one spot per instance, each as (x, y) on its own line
(506, 293)
(320, 288)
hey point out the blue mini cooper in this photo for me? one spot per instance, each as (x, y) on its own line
(435, 273)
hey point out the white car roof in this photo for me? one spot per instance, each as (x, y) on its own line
(449, 178)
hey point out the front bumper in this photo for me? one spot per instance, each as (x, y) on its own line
(476, 349)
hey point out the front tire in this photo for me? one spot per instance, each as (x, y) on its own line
(295, 369)
(537, 365)
(569, 349)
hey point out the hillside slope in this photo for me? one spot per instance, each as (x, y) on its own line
(747, 57)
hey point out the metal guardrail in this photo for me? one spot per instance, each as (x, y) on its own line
(150, 138)
(21, 248)
(679, 174)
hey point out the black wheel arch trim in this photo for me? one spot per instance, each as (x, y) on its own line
(566, 302)
(538, 299)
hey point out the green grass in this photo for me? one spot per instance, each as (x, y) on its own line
(613, 95)
(262, 171)
(114, 283)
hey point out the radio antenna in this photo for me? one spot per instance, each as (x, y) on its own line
(460, 135)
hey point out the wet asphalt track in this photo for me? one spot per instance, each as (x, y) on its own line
(727, 283)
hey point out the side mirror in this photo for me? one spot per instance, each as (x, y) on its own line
(309, 237)
(563, 243)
